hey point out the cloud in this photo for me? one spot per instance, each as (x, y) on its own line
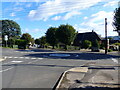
(85, 18)
(97, 21)
(12, 14)
(71, 14)
(56, 18)
(52, 8)
(112, 3)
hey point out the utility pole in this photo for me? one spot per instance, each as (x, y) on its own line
(106, 42)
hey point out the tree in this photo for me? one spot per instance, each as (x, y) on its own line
(86, 44)
(37, 41)
(21, 43)
(43, 41)
(27, 37)
(66, 34)
(96, 44)
(51, 36)
(10, 28)
(116, 21)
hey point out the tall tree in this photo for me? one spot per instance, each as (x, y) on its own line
(66, 34)
(37, 41)
(10, 28)
(43, 41)
(27, 37)
(116, 21)
(51, 36)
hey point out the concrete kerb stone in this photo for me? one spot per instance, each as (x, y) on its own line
(77, 69)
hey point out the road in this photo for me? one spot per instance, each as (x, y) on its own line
(39, 68)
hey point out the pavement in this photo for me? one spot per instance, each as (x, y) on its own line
(91, 76)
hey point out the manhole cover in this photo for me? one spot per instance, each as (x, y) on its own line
(60, 55)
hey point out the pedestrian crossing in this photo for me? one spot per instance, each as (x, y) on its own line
(10, 57)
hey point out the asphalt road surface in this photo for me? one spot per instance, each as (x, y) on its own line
(39, 68)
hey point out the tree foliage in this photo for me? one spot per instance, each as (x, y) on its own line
(51, 36)
(66, 34)
(86, 44)
(95, 44)
(37, 41)
(27, 37)
(116, 19)
(43, 41)
(10, 28)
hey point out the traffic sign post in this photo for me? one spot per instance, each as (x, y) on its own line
(6, 39)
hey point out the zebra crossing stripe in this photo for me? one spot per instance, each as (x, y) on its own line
(33, 58)
(9, 57)
(27, 58)
(22, 57)
(15, 57)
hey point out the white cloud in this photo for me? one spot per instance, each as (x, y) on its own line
(56, 18)
(97, 22)
(70, 14)
(85, 18)
(50, 8)
(12, 14)
(112, 3)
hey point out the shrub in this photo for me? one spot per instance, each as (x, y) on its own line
(110, 50)
(86, 44)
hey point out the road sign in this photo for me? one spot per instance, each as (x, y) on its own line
(6, 37)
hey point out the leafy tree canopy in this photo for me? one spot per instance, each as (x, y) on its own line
(27, 37)
(51, 36)
(66, 34)
(37, 41)
(116, 21)
(10, 28)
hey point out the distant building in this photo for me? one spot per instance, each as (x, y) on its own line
(91, 36)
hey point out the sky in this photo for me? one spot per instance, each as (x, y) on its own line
(36, 16)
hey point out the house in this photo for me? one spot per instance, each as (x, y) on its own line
(91, 36)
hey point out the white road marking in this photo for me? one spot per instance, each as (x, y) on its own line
(27, 58)
(6, 69)
(39, 58)
(76, 55)
(9, 57)
(32, 61)
(33, 58)
(21, 57)
(115, 60)
(15, 57)
(16, 61)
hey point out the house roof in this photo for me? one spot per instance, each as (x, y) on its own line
(91, 36)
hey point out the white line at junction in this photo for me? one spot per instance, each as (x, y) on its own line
(6, 69)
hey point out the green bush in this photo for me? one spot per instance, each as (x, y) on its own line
(110, 50)
(21, 43)
(95, 44)
(86, 44)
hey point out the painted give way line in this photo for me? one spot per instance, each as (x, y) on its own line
(6, 69)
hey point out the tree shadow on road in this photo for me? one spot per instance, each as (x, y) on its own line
(35, 50)
(81, 56)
